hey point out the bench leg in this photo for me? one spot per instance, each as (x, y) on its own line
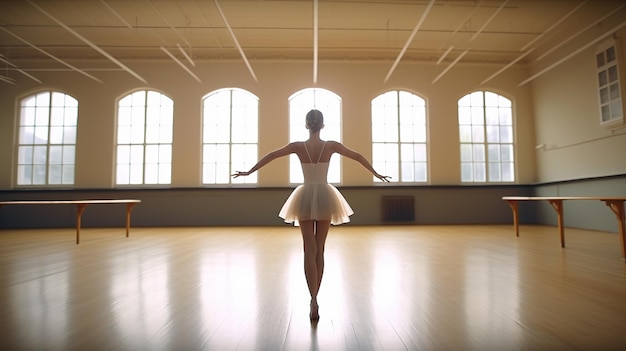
(514, 207)
(129, 208)
(617, 206)
(558, 207)
(80, 208)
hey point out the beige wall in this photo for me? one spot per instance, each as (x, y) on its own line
(357, 84)
(566, 108)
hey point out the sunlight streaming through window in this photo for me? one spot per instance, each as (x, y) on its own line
(230, 136)
(300, 104)
(486, 138)
(399, 136)
(145, 122)
(47, 139)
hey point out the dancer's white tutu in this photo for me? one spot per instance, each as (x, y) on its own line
(316, 199)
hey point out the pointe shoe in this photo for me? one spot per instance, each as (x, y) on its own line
(314, 314)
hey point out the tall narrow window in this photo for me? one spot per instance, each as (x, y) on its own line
(399, 136)
(230, 136)
(145, 122)
(609, 88)
(47, 139)
(486, 138)
(300, 104)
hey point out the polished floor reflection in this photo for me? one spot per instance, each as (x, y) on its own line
(243, 288)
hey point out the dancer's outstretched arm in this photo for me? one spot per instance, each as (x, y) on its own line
(283, 151)
(351, 154)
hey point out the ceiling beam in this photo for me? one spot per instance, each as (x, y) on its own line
(86, 41)
(232, 35)
(526, 53)
(470, 41)
(168, 23)
(315, 38)
(52, 56)
(554, 25)
(180, 64)
(116, 14)
(20, 70)
(408, 42)
(579, 32)
(576, 52)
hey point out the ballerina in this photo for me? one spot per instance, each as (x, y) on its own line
(315, 204)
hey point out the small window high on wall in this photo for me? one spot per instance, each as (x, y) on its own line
(47, 139)
(300, 104)
(230, 136)
(486, 138)
(399, 147)
(145, 122)
(609, 84)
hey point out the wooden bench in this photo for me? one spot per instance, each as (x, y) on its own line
(81, 205)
(615, 203)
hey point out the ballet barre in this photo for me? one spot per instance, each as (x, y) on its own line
(615, 203)
(81, 205)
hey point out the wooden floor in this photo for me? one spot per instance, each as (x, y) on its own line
(385, 288)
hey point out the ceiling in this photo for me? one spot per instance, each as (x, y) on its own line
(60, 33)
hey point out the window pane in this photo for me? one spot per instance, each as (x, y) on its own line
(494, 172)
(123, 154)
(479, 172)
(123, 174)
(152, 173)
(613, 74)
(230, 123)
(55, 174)
(69, 152)
(506, 134)
(487, 134)
(478, 134)
(56, 135)
(40, 156)
(68, 174)
(136, 174)
(493, 134)
(466, 172)
(478, 152)
(25, 155)
(56, 155)
(27, 135)
(494, 153)
(39, 174)
(507, 172)
(69, 135)
(404, 115)
(466, 152)
(506, 153)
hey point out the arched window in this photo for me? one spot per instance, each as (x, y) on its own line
(399, 138)
(47, 139)
(486, 137)
(300, 104)
(145, 122)
(230, 135)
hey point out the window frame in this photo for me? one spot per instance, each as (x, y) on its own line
(53, 112)
(251, 152)
(475, 152)
(144, 144)
(398, 140)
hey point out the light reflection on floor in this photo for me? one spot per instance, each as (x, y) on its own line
(381, 290)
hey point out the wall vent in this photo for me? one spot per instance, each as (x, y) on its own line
(398, 209)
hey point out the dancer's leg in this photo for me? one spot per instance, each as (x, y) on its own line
(321, 232)
(310, 266)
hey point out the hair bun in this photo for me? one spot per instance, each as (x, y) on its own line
(314, 120)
